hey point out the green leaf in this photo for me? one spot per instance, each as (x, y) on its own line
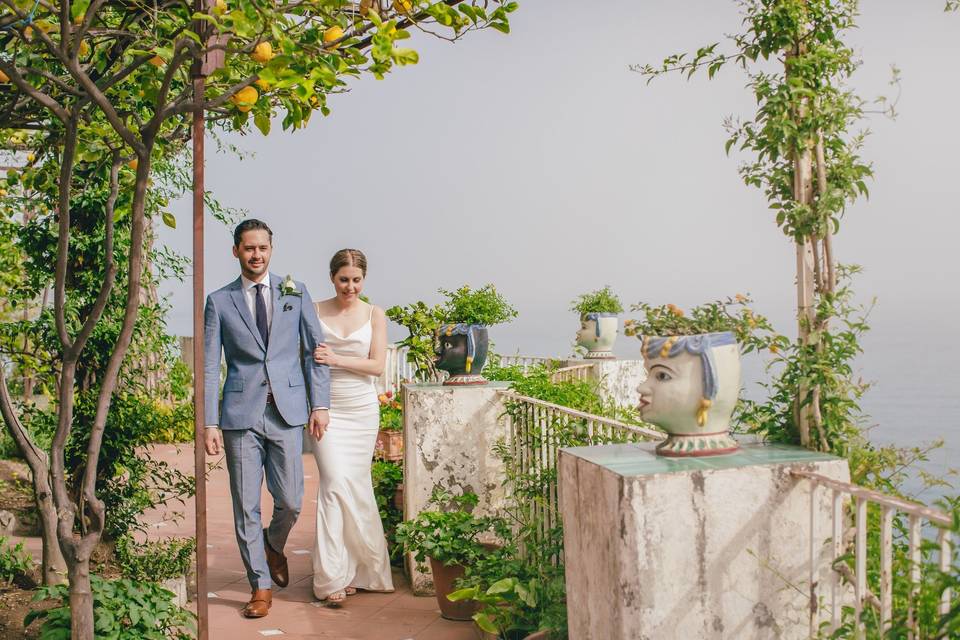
(486, 623)
(169, 219)
(262, 121)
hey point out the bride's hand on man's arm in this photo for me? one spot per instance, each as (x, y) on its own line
(323, 354)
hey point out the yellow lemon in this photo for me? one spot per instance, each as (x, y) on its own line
(31, 157)
(157, 61)
(263, 84)
(133, 164)
(3, 192)
(220, 7)
(245, 98)
(4, 77)
(263, 52)
(28, 33)
(84, 48)
(332, 34)
(402, 6)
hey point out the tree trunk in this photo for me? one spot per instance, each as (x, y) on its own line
(81, 600)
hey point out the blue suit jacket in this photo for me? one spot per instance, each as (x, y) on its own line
(287, 367)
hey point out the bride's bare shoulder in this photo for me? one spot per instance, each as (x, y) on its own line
(324, 306)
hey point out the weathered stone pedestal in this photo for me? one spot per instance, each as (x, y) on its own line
(448, 437)
(691, 548)
(618, 379)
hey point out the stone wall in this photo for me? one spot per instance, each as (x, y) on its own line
(619, 379)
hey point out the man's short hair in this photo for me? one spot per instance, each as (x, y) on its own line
(250, 225)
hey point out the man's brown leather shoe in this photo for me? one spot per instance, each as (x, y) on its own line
(277, 562)
(259, 604)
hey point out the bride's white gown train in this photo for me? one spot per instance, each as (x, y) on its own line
(350, 549)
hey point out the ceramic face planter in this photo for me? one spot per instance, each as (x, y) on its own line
(598, 332)
(462, 352)
(691, 390)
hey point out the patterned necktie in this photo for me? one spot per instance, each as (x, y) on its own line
(262, 315)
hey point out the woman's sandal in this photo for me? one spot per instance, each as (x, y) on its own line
(350, 591)
(337, 597)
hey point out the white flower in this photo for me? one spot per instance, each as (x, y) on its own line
(289, 288)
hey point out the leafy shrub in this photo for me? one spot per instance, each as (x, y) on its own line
(156, 561)
(391, 412)
(481, 306)
(422, 323)
(599, 301)
(386, 477)
(731, 314)
(122, 610)
(14, 561)
(448, 532)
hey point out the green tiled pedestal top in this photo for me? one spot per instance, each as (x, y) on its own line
(640, 459)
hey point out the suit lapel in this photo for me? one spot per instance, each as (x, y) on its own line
(240, 301)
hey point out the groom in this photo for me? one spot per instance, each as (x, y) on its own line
(267, 329)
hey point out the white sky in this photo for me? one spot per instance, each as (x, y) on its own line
(539, 162)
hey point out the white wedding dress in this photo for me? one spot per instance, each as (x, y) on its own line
(350, 549)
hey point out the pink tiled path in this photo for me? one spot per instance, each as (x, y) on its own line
(296, 613)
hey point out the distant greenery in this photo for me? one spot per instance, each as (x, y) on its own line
(599, 301)
(483, 306)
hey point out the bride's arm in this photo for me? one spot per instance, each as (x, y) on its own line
(375, 361)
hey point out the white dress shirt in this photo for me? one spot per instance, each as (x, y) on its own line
(250, 292)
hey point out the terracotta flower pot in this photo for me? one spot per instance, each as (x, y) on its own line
(444, 577)
(398, 497)
(389, 445)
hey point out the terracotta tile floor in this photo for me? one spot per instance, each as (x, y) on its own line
(295, 612)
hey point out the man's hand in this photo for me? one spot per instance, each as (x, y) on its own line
(319, 420)
(213, 439)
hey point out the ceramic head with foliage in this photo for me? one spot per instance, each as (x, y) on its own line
(462, 340)
(599, 323)
(691, 390)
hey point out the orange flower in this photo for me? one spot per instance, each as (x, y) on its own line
(382, 398)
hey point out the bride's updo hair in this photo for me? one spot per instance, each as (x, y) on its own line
(348, 258)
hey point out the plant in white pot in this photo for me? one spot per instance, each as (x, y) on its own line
(693, 371)
(599, 322)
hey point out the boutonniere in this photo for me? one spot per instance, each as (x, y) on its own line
(289, 288)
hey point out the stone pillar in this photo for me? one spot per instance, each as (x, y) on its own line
(448, 438)
(692, 548)
(618, 378)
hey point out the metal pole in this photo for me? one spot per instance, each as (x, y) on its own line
(200, 475)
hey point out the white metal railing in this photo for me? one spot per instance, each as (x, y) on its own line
(527, 362)
(576, 373)
(537, 431)
(845, 533)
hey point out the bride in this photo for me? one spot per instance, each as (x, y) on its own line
(350, 551)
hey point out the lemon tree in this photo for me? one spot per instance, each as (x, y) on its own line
(111, 85)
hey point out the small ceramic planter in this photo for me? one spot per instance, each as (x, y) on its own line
(444, 577)
(389, 445)
(598, 332)
(463, 353)
(691, 390)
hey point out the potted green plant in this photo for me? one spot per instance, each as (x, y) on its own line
(462, 339)
(166, 562)
(390, 437)
(599, 323)
(693, 371)
(514, 608)
(449, 537)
